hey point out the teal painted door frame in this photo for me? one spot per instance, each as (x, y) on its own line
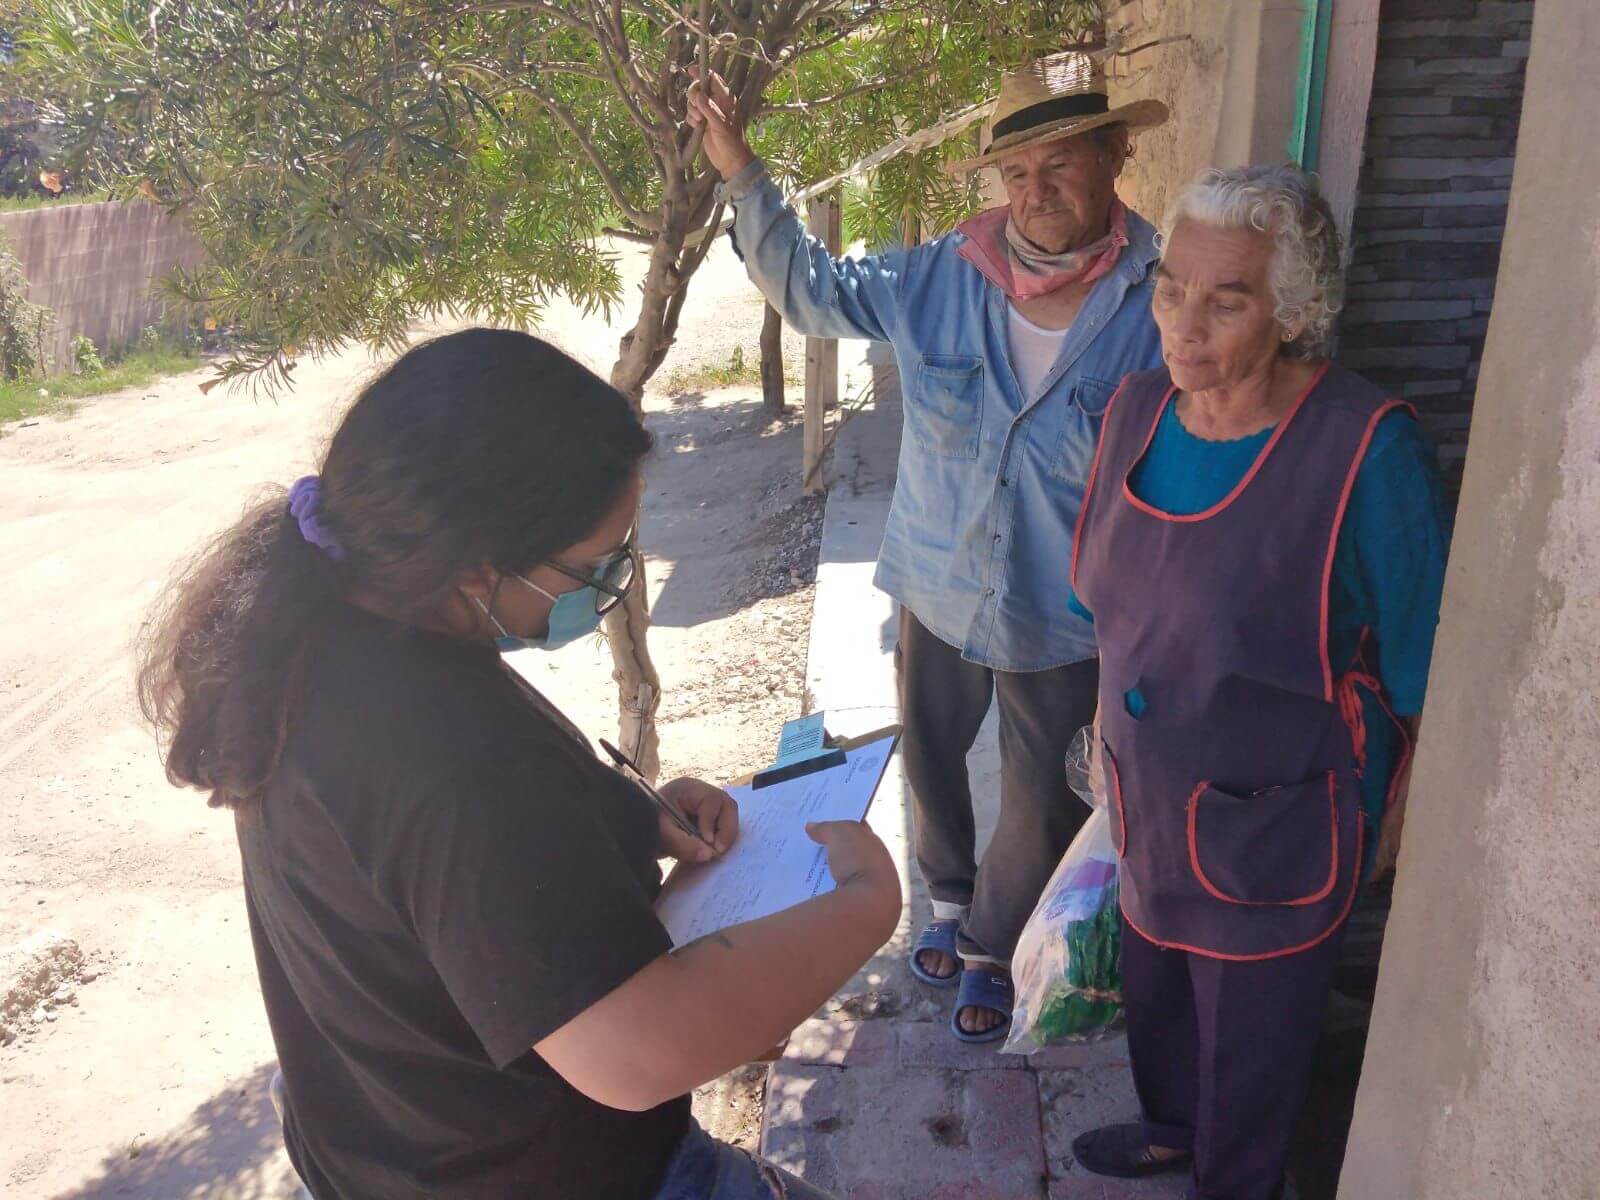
(1305, 134)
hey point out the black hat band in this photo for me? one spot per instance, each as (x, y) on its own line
(1085, 104)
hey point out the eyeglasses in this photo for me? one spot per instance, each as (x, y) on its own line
(612, 582)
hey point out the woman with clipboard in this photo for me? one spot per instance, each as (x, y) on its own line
(450, 896)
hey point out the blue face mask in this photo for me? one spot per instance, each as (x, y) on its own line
(576, 615)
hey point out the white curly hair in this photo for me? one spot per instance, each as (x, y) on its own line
(1306, 274)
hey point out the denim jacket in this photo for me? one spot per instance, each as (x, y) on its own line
(979, 535)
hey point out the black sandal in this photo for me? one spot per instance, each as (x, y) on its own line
(1121, 1151)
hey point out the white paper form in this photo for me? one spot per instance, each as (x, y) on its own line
(773, 865)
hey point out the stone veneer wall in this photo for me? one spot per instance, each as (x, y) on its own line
(1441, 138)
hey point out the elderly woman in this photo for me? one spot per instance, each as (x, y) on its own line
(1263, 547)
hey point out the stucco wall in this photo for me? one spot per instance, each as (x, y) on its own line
(1230, 86)
(1482, 1074)
(96, 264)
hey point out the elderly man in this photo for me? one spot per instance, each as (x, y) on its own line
(1011, 334)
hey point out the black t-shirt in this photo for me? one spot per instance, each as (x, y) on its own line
(440, 875)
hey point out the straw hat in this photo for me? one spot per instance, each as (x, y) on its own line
(1052, 98)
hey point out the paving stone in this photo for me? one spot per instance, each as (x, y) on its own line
(1074, 1102)
(929, 1045)
(887, 1133)
(836, 1042)
(1091, 1188)
(1108, 1052)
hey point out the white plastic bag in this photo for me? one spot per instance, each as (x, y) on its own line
(1067, 968)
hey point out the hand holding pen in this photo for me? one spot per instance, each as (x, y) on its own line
(698, 820)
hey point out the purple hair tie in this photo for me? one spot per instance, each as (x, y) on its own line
(305, 506)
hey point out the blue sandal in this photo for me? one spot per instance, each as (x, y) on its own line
(939, 936)
(981, 988)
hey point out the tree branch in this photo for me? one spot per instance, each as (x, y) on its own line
(613, 185)
(569, 68)
(629, 235)
(804, 106)
(609, 54)
(553, 11)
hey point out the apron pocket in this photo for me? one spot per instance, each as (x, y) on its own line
(1276, 846)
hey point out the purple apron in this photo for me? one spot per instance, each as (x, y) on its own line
(1234, 797)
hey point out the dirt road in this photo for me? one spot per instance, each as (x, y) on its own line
(146, 1076)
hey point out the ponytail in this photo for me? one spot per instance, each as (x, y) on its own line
(222, 655)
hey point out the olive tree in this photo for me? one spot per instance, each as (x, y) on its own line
(354, 166)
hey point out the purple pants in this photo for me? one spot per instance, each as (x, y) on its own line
(1221, 1056)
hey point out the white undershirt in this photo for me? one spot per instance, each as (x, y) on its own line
(1034, 350)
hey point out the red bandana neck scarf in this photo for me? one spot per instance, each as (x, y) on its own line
(1022, 270)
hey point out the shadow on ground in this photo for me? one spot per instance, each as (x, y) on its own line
(228, 1149)
(713, 493)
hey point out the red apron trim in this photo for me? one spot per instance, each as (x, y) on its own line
(1088, 488)
(1354, 712)
(1349, 903)
(1238, 489)
(1116, 794)
(1218, 893)
(1361, 675)
(1338, 523)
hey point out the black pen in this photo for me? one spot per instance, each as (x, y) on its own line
(661, 802)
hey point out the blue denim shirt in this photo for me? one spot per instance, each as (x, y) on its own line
(979, 536)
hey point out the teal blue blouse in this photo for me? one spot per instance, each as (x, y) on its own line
(1388, 563)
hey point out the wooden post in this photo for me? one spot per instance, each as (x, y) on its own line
(772, 398)
(822, 354)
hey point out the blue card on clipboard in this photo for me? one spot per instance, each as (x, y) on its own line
(802, 749)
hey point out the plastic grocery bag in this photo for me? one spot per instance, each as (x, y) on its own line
(1066, 967)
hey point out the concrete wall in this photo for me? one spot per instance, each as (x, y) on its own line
(1446, 97)
(96, 264)
(1482, 1074)
(1230, 86)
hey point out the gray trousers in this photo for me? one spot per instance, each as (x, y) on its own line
(943, 701)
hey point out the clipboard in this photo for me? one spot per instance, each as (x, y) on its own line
(773, 865)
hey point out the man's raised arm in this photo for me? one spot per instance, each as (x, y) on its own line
(818, 294)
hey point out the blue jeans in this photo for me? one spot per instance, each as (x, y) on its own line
(706, 1169)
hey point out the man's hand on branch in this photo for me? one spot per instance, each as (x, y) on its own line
(713, 109)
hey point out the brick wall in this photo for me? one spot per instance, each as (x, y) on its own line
(96, 265)
(1441, 138)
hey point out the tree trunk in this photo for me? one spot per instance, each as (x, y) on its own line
(641, 352)
(772, 362)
